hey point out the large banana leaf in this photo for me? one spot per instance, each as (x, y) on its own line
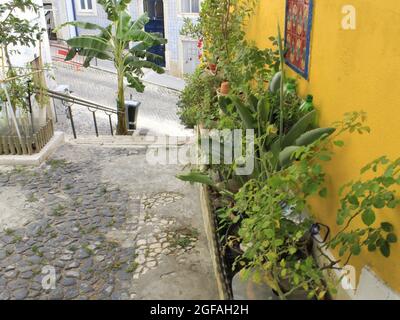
(141, 35)
(105, 35)
(71, 54)
(139, 49)
(110, 8)
(123, 26)
(136, 25)
(135, 63)
(122, 5)
(134, 82)
(147, 55)
(94, 43)
(94, 54)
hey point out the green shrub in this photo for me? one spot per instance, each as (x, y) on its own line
(198, 101)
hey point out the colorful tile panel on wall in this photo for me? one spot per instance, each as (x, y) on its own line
(297, 35)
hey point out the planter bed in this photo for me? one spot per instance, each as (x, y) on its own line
(224, 257)
(220, 264)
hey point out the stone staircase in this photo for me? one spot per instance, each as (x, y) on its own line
(133, 141)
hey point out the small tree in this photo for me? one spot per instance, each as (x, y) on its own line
(17, 31)
(125, 43)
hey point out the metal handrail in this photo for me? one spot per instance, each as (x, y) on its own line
(71, 100)
(76, 100)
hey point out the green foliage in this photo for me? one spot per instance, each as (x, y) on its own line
(17, 89)
(275, 150)
(270, 207)
(191, 29)
(221, 23)
(197, 102)
(250, 69)
(275, 232)
(18, 31)
(197, 177)
(274, 229)
(114, 43)
(365, 199)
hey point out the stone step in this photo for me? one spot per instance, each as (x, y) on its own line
(129, 141)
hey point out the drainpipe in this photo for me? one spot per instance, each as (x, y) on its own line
(74, 15)
(71, 16)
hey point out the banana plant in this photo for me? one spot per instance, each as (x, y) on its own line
(123, 42)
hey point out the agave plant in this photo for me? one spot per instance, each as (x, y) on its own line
(124, 42)
(273, 152)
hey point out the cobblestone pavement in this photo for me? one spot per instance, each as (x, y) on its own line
(157, 113)
(112, 226)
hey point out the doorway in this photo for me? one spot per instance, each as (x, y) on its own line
(49, 16)
(155, 10)
(190, 56)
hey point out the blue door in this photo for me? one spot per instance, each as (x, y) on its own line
(155, 10)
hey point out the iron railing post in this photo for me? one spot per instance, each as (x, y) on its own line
(72, 121)
(95, 123)
(111, 126)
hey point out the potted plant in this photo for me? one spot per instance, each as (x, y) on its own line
(225, 88)
(212, 67)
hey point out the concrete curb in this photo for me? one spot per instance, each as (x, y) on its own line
(35, 159)
(211, 233)
(209, 224)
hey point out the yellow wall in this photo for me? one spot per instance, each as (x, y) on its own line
(351, 71)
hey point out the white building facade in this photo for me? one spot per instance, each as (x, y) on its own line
(167, 17)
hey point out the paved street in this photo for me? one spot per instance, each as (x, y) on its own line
(157, 114)
(97, 222)
(108, 224)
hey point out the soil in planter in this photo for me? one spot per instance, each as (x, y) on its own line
(227, 253)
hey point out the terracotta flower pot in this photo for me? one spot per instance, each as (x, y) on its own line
(212, 67)
(225, 88)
